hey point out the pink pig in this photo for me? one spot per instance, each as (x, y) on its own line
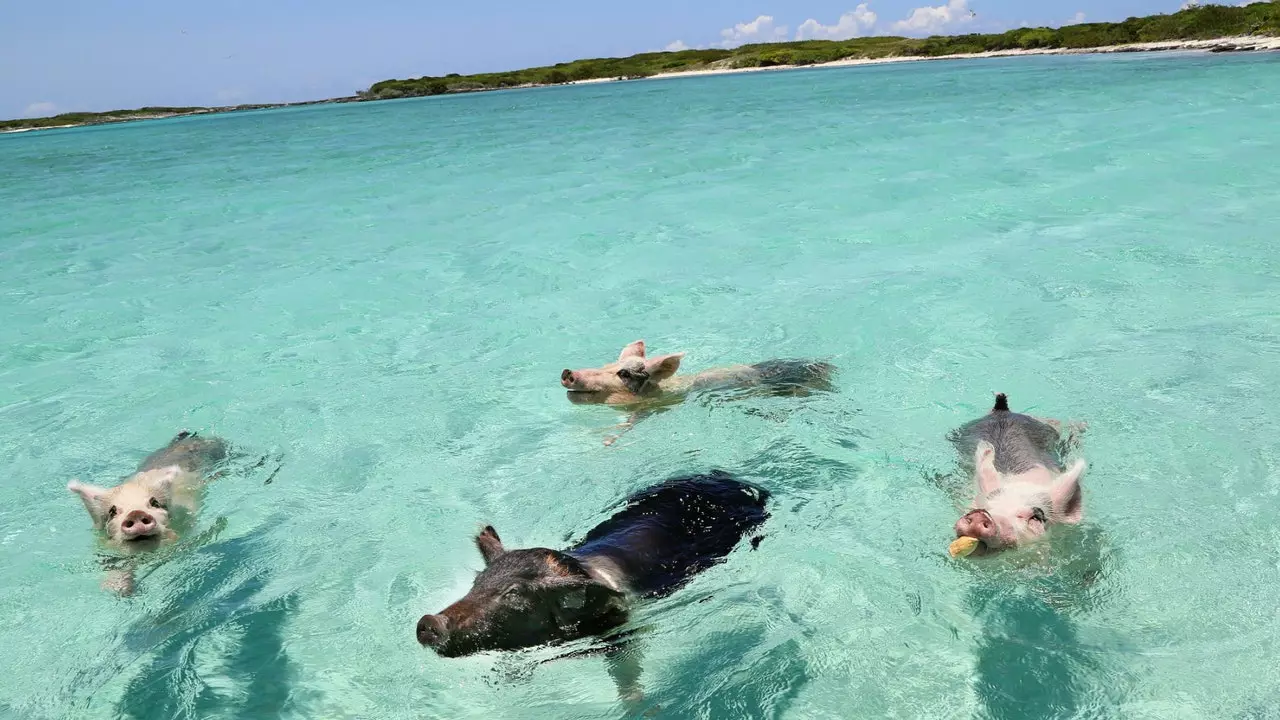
(153, 506)
(1021, 485)
(645, 384)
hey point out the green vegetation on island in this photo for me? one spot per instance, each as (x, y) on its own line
(75, 119)
(1201, 22)
(84, 118)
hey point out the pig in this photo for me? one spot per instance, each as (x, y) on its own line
(662, 537)
(1021, 485)
(643, 384)
(152, 507)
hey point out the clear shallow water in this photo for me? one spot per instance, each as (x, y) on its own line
(385, 294)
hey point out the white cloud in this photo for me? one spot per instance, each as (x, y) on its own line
(862, 21)
(1201, 3)
(934, 20)
(859, 21)
(40, 109)
(1079, 18)
(759, 30)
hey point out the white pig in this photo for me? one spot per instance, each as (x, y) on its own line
(154, 505)
(1021, 486)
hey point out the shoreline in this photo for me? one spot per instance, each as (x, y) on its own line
(1246, 43)
(128, 116)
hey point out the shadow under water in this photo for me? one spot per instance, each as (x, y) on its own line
(215, 618)
(738, 675)
(1031, 661)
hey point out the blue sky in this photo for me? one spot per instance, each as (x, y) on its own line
(62, 55)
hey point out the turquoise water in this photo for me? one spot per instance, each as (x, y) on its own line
(383, 296)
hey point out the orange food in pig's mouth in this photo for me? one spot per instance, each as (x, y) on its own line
(963, 546)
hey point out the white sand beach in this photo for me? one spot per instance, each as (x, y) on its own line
(1232, 44)
(29, 129)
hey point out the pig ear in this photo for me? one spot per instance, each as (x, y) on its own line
(93, 497)
(1068, 504)
(635, 349)
(984, 467)
(663, 366)
(489, 544)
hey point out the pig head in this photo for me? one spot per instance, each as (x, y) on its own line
(523, 598)
(631, 378)
(139, 514)
(1020, 485)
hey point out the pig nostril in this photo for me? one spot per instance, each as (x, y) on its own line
(128, 523)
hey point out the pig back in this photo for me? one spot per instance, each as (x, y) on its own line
(798, 373)
(1021, 441)
(188, 451)
(671, 531)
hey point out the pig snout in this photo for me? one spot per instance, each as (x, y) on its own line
(568, 380)
(978, 524)
(433, 631)
(138, 524)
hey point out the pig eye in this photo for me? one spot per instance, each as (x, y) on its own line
(512, 592)
(113, 512)
(634, 379)
(1037, 514)
(155, 504)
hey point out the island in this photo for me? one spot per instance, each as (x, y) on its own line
(78, 119)
(1207, 28)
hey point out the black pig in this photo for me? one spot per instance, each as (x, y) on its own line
(655, 544)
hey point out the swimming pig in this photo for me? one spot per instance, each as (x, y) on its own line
(148, 509)
(1021, 485)
(657, 542)
(643, 383)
